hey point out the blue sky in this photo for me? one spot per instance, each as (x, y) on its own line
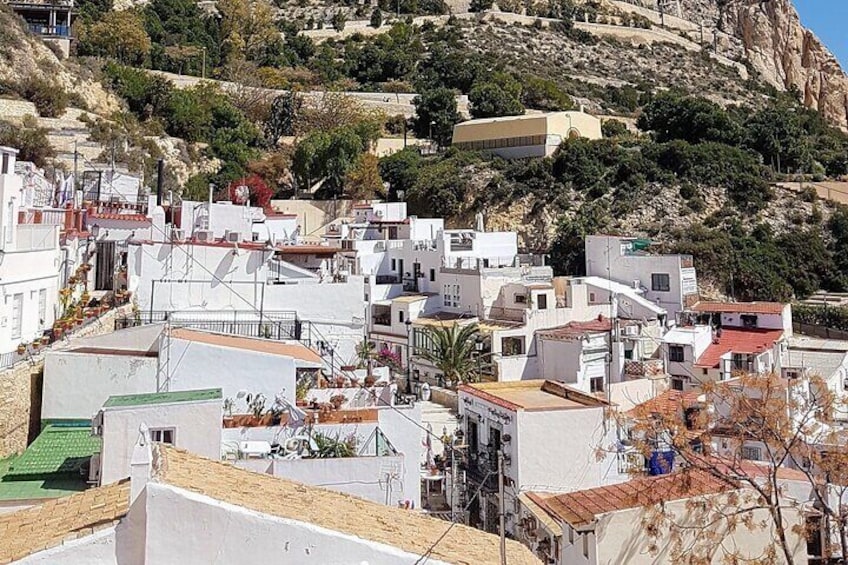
(829, 20)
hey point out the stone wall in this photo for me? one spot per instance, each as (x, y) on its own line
(20, 389)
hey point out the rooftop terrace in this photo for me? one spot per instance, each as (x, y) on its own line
(533, 395)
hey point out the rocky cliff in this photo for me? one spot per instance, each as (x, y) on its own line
(785, 53)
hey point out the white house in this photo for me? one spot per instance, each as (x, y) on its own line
(718, 339)
(29, 271)
(149, 359)
(538, 425)
(189, 419)
(180, 508)
(639, 521)
(667, 280)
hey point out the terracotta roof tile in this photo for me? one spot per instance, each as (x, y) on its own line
(124, 217)
(739, 307)
(293, 350)
(583, 507)
(573, 330)
(408, 530)
(669, 403)
(47, 525)
(738, 341)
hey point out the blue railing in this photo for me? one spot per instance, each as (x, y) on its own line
(56, 31)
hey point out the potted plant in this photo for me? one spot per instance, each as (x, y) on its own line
(229, 404)
(21, 348)
(337, 400)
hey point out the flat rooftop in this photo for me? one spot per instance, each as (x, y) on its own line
(534, 395)
(293, 349)
(128, 400)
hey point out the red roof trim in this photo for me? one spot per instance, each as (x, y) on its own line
(489, 398)
(740, 307)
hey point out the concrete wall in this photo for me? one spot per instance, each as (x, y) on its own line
(620, 539)
(196, 365)
(373, 478)
(188, 528)
(197, 429)
(77, 384)
(313, 215)
(99, 548)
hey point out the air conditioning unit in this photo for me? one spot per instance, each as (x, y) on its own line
(232, 236)
(204, 235)
(378, 213)
(631, 331)
(637, 284)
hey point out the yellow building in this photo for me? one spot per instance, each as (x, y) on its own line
(530, 135)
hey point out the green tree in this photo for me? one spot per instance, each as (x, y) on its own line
(376, 17)
(436, 114)
(613, 128)
(29, 139)
(498, 96)
(363, 181)
(401, 170)
(49, 97)
(118, 35)
(182, 23)
(452, 352)
(544, 94)
(776, 133)
(283, 117)
(568, 249)
(339, 21)
(670, 116)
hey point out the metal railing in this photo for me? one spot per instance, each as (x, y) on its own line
(276, 324)
(57, 30)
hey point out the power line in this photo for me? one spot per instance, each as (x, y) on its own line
(427, 553)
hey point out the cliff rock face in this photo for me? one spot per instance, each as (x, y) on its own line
(786, 54)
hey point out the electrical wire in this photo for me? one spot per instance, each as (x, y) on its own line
(426, 554)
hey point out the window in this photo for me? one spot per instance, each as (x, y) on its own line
(17, 315)
(585, 545)
(5, 168)
(675, 353)
(432, 275)
(400, 316)
(42, 308)
(394, 264)
(570, 535)
(163, 435)
(451, 295)
(749, 321)
(751, 453)
(512, 346)
(677, 383)
(660, 282)
(520, 299)
(596, 384)
(543, 301)
(591, 298)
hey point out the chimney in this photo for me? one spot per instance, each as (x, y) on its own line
(141, 463)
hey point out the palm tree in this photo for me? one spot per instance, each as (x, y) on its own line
(453, 352)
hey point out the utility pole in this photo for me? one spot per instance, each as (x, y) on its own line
(76, 180)
(453, 482)
(501, 511)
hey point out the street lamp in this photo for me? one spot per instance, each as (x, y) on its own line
(408, 355)
(478, 345)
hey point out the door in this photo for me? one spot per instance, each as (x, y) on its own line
(105, 276)
(17, 315)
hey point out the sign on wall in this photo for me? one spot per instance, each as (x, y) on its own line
(688, 281)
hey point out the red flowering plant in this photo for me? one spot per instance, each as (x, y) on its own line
(388, 358)
(251, 190)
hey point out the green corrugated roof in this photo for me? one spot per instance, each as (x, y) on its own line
(57, 450)
(163, 397)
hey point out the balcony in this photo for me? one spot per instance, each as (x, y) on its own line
(388, 279)
(381, 315)
(50, 31)
(44, 216)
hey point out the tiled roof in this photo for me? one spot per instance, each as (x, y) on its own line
(307, 250)
(583, 507)
(573, 330)
(669, 403)
(532, 395)
(50, 524)
(753, 340)
(407, 530)
(57, 449)
(163, 397)
(293, 350)
(740, 307)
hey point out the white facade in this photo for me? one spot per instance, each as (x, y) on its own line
(29, 271)
(667, 280)
(78, 381)
(537, 438)
(195, 426)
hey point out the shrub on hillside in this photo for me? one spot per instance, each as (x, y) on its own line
(49, 98)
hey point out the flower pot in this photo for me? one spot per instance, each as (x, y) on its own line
(21, 349)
